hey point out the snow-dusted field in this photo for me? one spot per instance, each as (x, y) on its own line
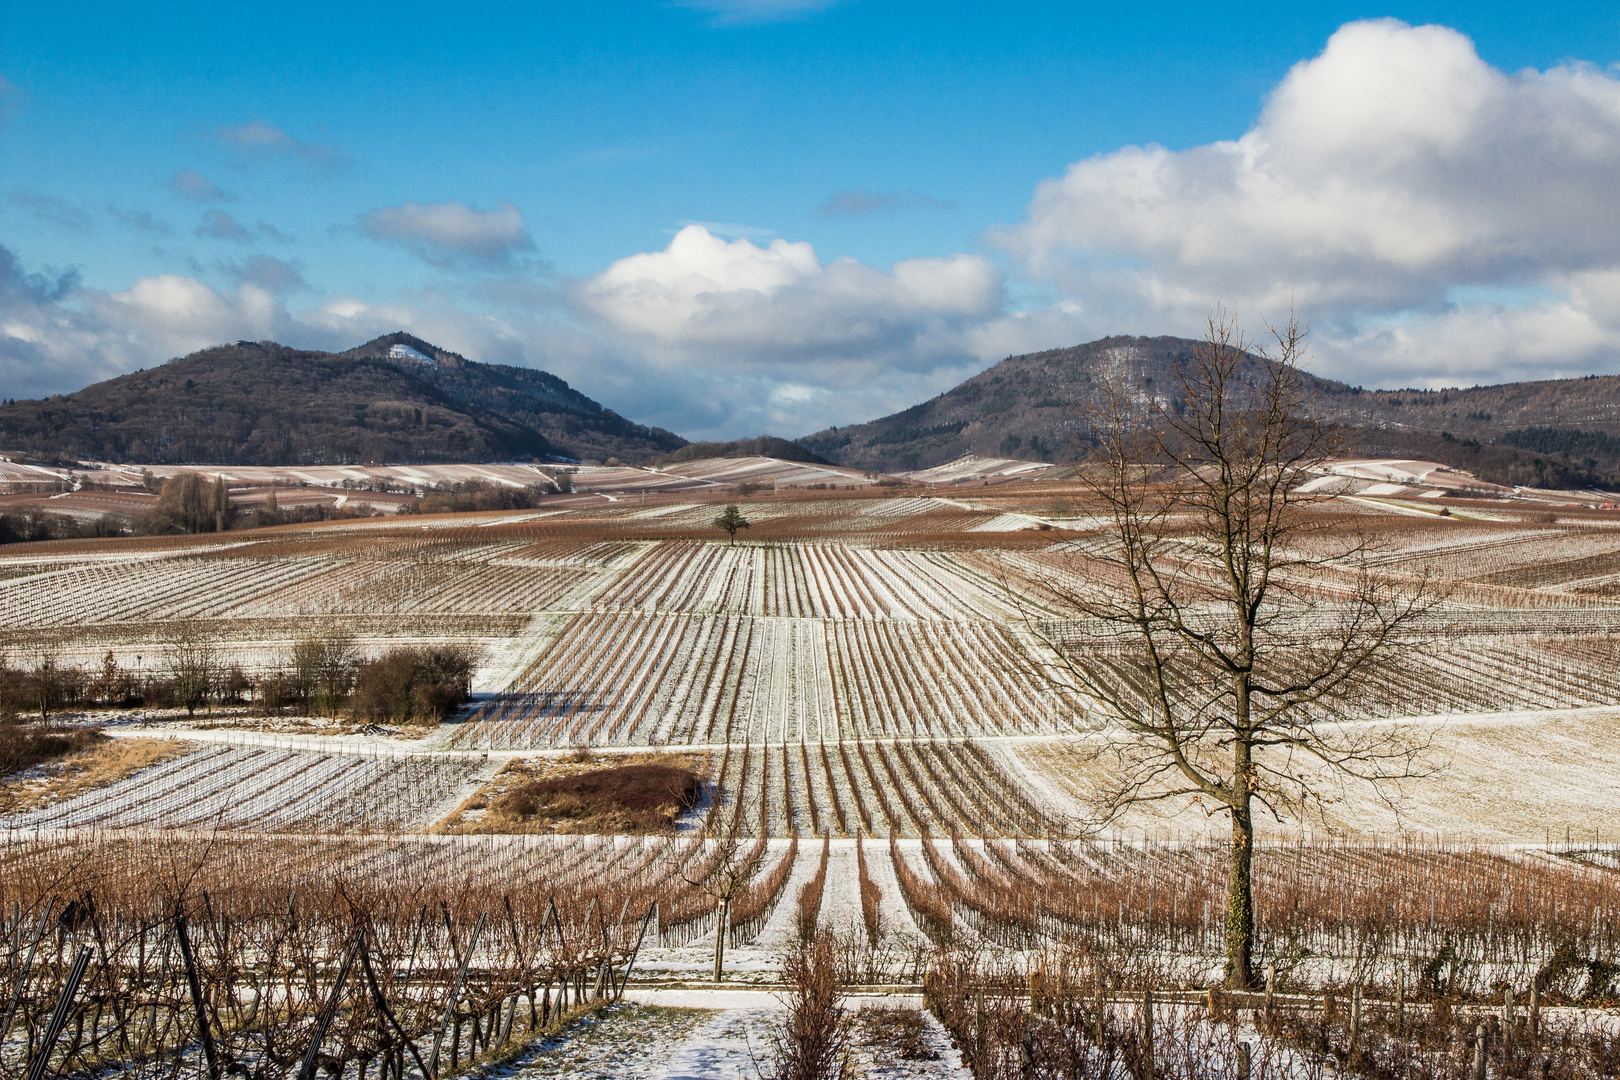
(856, 665)
(254, 787)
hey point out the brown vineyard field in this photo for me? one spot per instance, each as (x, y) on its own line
(861, 693)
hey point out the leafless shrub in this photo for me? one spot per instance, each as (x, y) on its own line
(812, 1042)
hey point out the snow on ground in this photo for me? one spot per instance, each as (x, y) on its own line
(514, 656)
(841, 895)
(732, 1042)
(783, 925)
(759, 470)
(970, 467)
(1512, 777)
(895, 918)
(1012, 522)
(265, 787)
(1394, 470)
(683, 476)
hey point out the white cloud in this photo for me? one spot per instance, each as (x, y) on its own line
(730, 229)
(1380, 176)
(702, 291)
(723, 337)
(448, 232)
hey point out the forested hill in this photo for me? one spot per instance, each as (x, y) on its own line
(761, 446)
(1558, 433)
(396, 399)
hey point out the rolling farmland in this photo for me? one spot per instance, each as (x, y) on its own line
(862, 673)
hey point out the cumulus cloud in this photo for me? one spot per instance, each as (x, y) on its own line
(1381, 175)
(261, 141)
(448, 233)
(778, 338)
(192, 185)
(731, 229)
(56, 335)
(858, 202)
(704, 291)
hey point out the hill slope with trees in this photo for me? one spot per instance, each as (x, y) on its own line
(1556, 433)
(261, 403)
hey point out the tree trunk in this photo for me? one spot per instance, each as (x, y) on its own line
(720, 938)
(1240, 897)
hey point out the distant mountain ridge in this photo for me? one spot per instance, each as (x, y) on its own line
(399, 399)
(261, 403)
(1024, 407)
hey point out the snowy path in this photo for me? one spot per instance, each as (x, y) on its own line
(841, 896)
(728, 1045)
(783, 925)
(639, 1042)
(898, 924)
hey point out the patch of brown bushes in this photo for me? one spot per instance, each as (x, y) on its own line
(412, 684)
(644, 798)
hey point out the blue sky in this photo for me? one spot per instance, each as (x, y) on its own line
(739, 216)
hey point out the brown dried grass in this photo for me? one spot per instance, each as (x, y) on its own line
(584, 793)
(94, 761)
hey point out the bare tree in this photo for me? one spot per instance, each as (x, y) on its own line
(46, 681)
(728, 873)
(1222, 628)
(323, 667)
(193, 665)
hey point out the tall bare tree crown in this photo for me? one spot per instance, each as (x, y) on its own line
(1217, 625)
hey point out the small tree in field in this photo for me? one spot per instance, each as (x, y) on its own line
(729, 873)
(1222, 627)
(731, 519)
(193, 665)
(46, 681)
(323, 670)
